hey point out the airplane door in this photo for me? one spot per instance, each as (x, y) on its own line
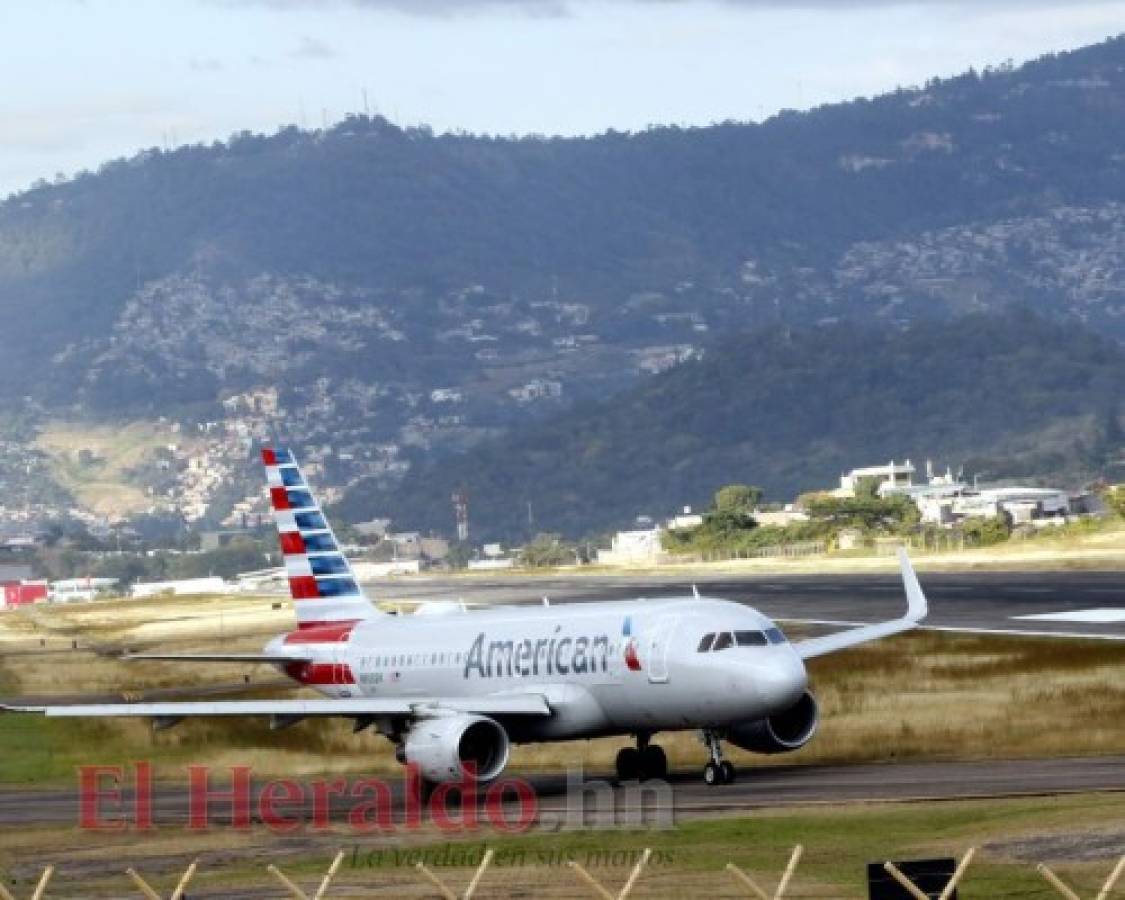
(659, 641)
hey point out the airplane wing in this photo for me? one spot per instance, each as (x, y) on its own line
(420, 707)
(916, 610)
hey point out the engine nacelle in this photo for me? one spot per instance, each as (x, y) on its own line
(447, 748)
(779, 733)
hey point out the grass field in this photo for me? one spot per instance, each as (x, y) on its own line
(1089, 544)
(1078, 836)
(100, 479)
(925, 695)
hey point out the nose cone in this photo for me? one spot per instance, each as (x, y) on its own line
(781, 680)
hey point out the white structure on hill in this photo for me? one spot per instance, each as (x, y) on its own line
(947, 503)
(890, 477)
(632, 548)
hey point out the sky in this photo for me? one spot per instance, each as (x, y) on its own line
(85, 81)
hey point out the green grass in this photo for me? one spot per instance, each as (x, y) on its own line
(688, 859)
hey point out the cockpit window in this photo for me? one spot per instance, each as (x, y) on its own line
(775, 636)
(706, 642)
(723, 640)
(750, 639)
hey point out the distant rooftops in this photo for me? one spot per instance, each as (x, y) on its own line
(10, 574)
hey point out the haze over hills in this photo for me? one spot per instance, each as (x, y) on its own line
(788, 410)
(383, 297)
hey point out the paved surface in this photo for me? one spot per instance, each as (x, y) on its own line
(755, 788)
(976, 601)
(971, 601)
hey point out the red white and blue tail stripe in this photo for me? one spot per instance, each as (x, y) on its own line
(321, 580)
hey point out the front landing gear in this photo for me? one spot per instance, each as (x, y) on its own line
(718, 770)
(641, 763)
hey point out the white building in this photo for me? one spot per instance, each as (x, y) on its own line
(1027, 504)
(780, 518)
(365, 571)
(686, 519)
(632, 547)
(184, 588)
(947, 504)
(75, 590)
(889, 477)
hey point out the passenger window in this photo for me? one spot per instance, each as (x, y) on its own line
(723, 640)
(750, 639)
(705, 644)
(775, 636)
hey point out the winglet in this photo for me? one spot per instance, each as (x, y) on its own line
(916, 610)
(916, 606)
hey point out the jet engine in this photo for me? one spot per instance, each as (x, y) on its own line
(779, 733)
(449, 748)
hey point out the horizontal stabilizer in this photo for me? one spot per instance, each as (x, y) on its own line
(264, 658)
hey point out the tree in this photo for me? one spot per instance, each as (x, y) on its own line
(867, 487)
(1115, 499)
(742, 498)
(868, 513)
(459, 555)
(981, 532)
(547, 550)
(731, 510)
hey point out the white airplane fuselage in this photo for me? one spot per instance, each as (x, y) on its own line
(604, 668)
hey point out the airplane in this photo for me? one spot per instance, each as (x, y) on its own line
(455, 688)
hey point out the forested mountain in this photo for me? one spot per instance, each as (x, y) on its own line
(789, 410)
(382, 296)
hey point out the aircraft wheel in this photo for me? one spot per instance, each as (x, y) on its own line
(728, 772)
(654, 762)
(628, 764)
(712, 774)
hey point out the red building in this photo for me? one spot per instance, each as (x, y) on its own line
(21, 593)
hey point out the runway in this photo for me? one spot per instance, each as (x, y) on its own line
(975, 601)
(684, 795)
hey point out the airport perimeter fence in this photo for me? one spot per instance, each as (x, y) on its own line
(798, 550)
(925, 542)
(935, 879)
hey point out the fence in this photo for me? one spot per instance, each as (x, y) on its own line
(930, 541)
(745, 883)
(797, 550)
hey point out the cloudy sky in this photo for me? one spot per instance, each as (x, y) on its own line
(88, 80)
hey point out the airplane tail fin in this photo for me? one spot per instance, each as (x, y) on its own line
(321, 581)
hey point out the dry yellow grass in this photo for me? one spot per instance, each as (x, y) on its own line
(102, 481)
(923, 695)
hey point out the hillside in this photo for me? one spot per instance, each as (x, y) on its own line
(789, 410)
(380, 296)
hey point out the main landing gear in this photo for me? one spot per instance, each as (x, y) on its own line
(643, 762)
(718, 770)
